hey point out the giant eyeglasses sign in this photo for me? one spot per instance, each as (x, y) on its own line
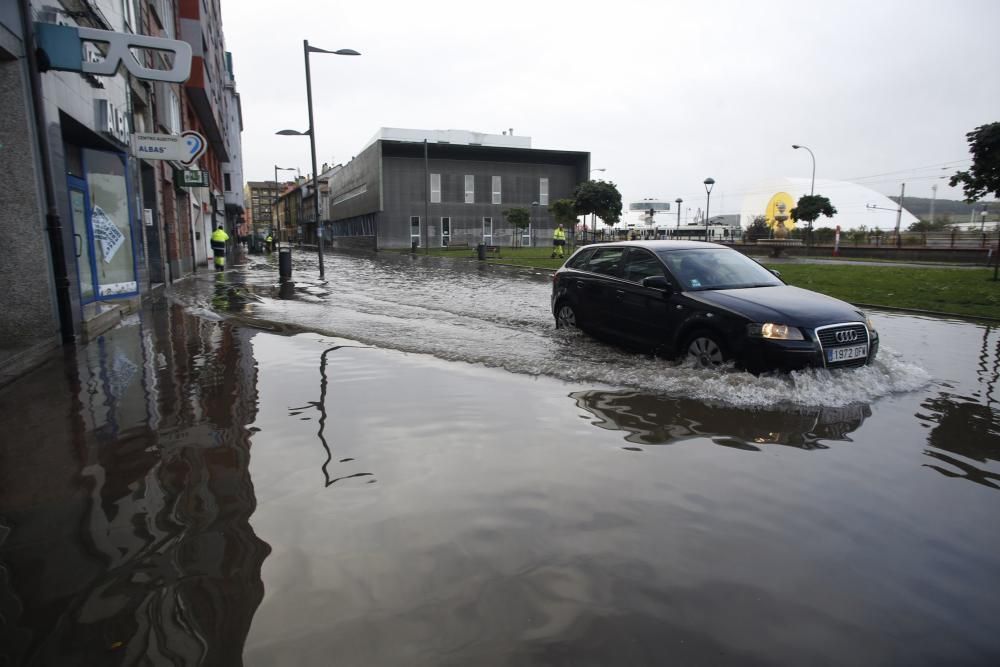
(63, 50)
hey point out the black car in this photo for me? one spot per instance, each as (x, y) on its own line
(709, 302)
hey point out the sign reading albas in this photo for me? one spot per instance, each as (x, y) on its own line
(185, 148)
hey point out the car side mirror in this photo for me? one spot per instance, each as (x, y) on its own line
(660, 283)
(777, 274)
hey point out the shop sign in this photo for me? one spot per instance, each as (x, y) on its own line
(185, 148)
(191, 178)
(112, 121)
(63, 46)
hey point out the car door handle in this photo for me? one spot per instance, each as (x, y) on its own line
(619, 294)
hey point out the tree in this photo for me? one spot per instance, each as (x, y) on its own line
(519, 218)
(983, 178)
(810, 207)
(600, 198)
(564, 212)
(758, 228)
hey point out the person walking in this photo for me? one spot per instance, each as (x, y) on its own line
(269, 242)
(219, 238)
(558, 241)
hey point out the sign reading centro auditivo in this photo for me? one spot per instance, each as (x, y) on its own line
(184, 148)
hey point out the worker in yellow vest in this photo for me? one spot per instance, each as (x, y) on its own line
(219, 238)
(558, 241)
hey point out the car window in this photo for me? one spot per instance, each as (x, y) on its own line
(580, 259)
(705, 269)
(606, 261)
(641, 264)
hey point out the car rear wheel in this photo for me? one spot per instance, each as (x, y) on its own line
(706, 349)
(565, 316)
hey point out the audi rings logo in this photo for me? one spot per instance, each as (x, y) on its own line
(847, 336)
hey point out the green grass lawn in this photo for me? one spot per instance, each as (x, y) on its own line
(970, 292)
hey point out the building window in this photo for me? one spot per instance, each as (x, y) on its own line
(415, 230)
(470, 189)
(445, 232)
(496, 190)
(435, 188)
(543, 191)
(228, 182)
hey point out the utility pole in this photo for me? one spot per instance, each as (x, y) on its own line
(427, 196)
(933, 199)
(899, 214)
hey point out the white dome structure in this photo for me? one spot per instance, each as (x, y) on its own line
(776, 198)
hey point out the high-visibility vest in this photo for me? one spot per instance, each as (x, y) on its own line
(559, 234)
(269, 239)
(219, 236)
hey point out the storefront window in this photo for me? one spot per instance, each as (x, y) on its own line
(109, 219)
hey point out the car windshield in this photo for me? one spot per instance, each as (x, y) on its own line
(711, 268)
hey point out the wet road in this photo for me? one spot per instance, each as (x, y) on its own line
(189, 490)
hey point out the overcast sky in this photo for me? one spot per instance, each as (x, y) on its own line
(662, 93)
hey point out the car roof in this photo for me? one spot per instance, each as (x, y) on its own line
(658, 245)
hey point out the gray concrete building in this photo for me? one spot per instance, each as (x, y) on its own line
(447, 187)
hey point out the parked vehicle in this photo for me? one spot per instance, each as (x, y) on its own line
(710, 303)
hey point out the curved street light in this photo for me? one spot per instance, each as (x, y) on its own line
(812, 184)
(311, 132)
(709, 184)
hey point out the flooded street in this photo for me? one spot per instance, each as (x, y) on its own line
(408, 464)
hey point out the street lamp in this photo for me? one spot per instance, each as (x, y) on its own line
(274, 206)
(812, 185)
(678, 201)
(593, 216)
(709, 183)
(306, 50)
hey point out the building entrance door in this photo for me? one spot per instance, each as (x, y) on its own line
(102, 227)
(445, 232)
(81, 237)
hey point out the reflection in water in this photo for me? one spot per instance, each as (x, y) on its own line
(658, 420)
(128, 500)
(320, 405)
(964, 427)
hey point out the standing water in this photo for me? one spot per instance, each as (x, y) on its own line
(190, 489)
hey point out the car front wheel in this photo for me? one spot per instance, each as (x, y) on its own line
(565, 317)
(706, 349)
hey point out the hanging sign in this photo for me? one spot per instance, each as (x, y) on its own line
(185, 148)
(191, 178)
(63, 47)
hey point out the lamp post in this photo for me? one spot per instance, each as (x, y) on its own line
(812, 185)
(274, 206)
(709, 183)
(306, 50)
(593, 216)
(678, 201)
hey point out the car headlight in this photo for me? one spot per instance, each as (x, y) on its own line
(868, 321)
(774, 331)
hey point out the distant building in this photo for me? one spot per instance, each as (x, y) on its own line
(259, 197)
(389, 197)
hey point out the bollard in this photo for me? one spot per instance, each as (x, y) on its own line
(285, 262)
(481, 252)
(413, 246)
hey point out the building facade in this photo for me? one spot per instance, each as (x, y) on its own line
(438, 188)
(95, 226)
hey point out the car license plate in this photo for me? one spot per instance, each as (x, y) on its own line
(846, 353)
